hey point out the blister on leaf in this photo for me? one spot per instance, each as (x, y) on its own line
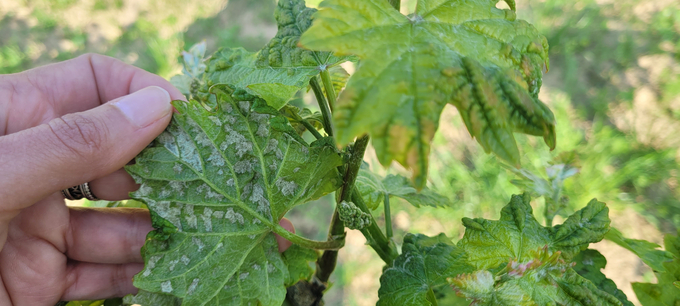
(467, 53)
(216, 183)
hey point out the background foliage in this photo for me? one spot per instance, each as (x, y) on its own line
(613, 84)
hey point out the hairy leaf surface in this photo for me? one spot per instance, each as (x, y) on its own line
(217, 182)
(281, 68)
(374, 189)
(422, 268)
(589, 264)
(647, 251)
(467, 53)
(667, 291)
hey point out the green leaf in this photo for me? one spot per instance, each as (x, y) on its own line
(373, 189)
(145, 298)
(546, 279)
(466, 53)
(217, 183)
(530, 262)
(281, 68)
(298, 259)
(666, 291)
(586, 226)
(517, 234)
(647, 251)
(589, 264)
(423, 267)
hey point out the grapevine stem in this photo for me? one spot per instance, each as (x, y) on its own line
(388, 217)
(323, 105)
(304, 242)
(328, 85)
(374, 236)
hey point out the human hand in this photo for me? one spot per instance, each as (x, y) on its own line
(62, 125)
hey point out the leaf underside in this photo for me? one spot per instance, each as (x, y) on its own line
(464, 52)
(216, 183)
(281, 68)
(374, 189)
(667, 291)
(511, 261)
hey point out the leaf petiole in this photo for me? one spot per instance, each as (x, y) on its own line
(323, 105)
(328, 86)
(307, 243)
(388, 217)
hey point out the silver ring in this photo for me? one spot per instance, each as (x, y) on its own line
(78, 192)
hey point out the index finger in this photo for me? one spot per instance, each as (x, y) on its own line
(73, 86)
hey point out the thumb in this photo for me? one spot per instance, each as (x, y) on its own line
(79, 147)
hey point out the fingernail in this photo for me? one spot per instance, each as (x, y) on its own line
(145, 106)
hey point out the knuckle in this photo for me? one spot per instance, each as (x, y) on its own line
(81, 135)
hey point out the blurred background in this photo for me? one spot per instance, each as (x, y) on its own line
(613, 84)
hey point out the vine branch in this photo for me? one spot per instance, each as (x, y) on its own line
(323, 105)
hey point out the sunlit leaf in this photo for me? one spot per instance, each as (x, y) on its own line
(468, 53)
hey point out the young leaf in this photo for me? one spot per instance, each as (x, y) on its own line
(217, 183)
(467, 53)
(281, 68)
(374, 188)
(647, 251)
(517, 233)
(589, 264)
(667, 291)
(297, 259)
(423, 267)
(545, 279)
(531, 262)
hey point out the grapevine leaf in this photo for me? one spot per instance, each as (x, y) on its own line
(422, 268)
(297, 259)
(545, 279)
(216, 183)
(647, 251)
(531, 263)
(517, 233)
(146, 298)
(667, 290)
(588, 225)
(281, 68)
(373, 189)
(589, 264)
(467, 53)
